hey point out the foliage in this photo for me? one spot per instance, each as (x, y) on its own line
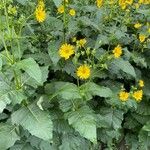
(74, 75)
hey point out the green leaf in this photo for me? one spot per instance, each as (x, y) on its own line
(53, 52)
(37, 122)
(8, 95)
(1, 63)
(132, 141)
(123, 65)
(31, 68)
(4, 95)
(57, 2)
(4, 100)
(144, 140)
(73, 142)
(8, 136)
(45, 72)
(109, 117)
(83, 121)
(65, 90)
(146, 127)
(23, 2)
(91, 89)
(22, 146)
(107, 136)
(143, 108)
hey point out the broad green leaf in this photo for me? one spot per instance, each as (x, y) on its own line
(88, 22)
(123, 65)
(144, 139)
(58, 2)
(61, 125)
(4, 95)
(91, 89)
(143, 108)
(108, 136)
(65, 90)
(73, 142)
(37, 122)
(132, 141)
(23, 2)
(45, 72)
(109, 117)
(31, 68)
(17, 96)
(8, 136)
(22, 146)
(4, 100)
(46, 146)
(83, 121)
(8, 95)
(146, 127)
(53, 52)
(131, 123)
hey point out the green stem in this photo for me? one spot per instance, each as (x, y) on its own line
(64, 22)
(78, 84)
(7, 52)
(6, 16)
(18, 84)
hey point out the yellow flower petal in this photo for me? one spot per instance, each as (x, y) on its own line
(66, 50)
(123, 96)
(84, 72)
(117, 51)
(137, 95)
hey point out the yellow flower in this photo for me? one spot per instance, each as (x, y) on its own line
(81, 42)
(72, 12)
(137, 95)
(142, 38)
(41, 4)
(141, 1)
(122, 4)
(129, 2)
(111, 2)
(84, 72)
(144, 2)
(40, 11)
(40, 14)
(61, 9)
(66, 50)
(99, 3)
(141, 83)
(137, 25)
(123, 96)
(117, 51)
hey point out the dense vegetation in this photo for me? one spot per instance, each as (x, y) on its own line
(74, 74)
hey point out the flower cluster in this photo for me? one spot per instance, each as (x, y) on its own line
(64, 8)
(136, 94)
(123, 3)
(67, 50)
(99, 3)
